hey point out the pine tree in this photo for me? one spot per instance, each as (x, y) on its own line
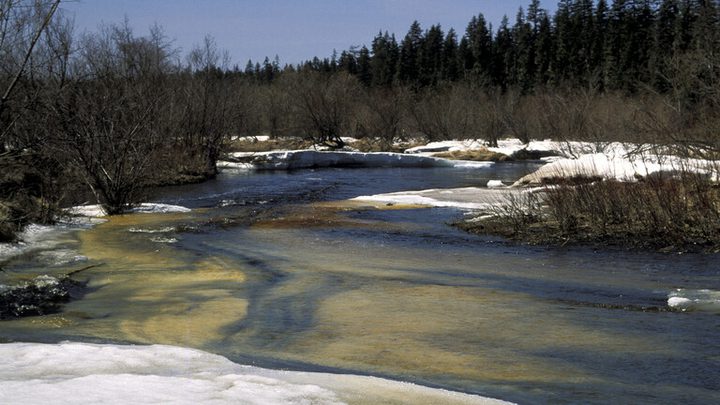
(503, 60)
(564, 43)
(430, 57)
(465, 57)
(544, 50)
(450, 58)
(384, 59)
(407, 71)
(348, 61)
(524, 42)
(664, 43)
(706, 27)
(249, 69)
(479, 42)
(597, 58)
(364, 70)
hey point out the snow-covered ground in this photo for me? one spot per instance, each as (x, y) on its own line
(77, 373)
(510, 146)
(619, 167)
(304, 159)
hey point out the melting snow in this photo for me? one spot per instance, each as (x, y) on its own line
(694, 300)
(466, 198)
(74, 373)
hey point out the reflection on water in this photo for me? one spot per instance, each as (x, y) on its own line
(338, 286)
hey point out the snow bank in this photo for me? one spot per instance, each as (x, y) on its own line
(305, 159)
(616, 166)
(511, 146)
(448, 146)
(695, 300)
(466, 198)
(73, 373)
(97, 211)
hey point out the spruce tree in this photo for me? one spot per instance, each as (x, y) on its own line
(544, 49)
(503, 60)
(384, 59)
(430, 57)
(364, 73)
(407, 71)
(450, 58)
(479, 42)
(524, 43)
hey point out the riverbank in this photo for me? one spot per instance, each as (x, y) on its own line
(298, 293)
(655, 201)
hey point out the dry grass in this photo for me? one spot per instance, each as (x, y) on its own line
(267, 146)
(369, 144)
(667, 212)
(480, 155)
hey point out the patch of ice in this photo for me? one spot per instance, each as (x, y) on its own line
(148, 230)
(157, 208)
(476, 198)
(72, 373)
(92, 211)
(160, 239)
(694, 300)
(97, 210)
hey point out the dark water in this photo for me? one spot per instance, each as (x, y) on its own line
(393, 293)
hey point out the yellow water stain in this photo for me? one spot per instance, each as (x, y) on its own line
(150, 292)
(322, 215)
(417, 330)
(367, 205)
(52, 321)
(184, 323)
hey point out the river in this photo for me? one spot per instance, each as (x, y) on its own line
(279, 270)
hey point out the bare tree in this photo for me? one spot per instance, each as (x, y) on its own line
(325, 105)
(209, 110)
(107, 122)
(22, 23)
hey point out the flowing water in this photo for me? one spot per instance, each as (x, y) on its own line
(279, 271)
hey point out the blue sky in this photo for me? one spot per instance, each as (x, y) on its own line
(294, 30)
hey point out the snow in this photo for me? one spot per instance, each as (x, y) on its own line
(476, 198)
(225, 165)
(694, 300)
(495, 184)
(448, 146)
(97, 211)
(74, 373)
(510, 146)
(305, 159)
(258, 138)
(616, 166)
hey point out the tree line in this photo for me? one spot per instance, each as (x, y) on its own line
(619, 45)
(116, 112)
